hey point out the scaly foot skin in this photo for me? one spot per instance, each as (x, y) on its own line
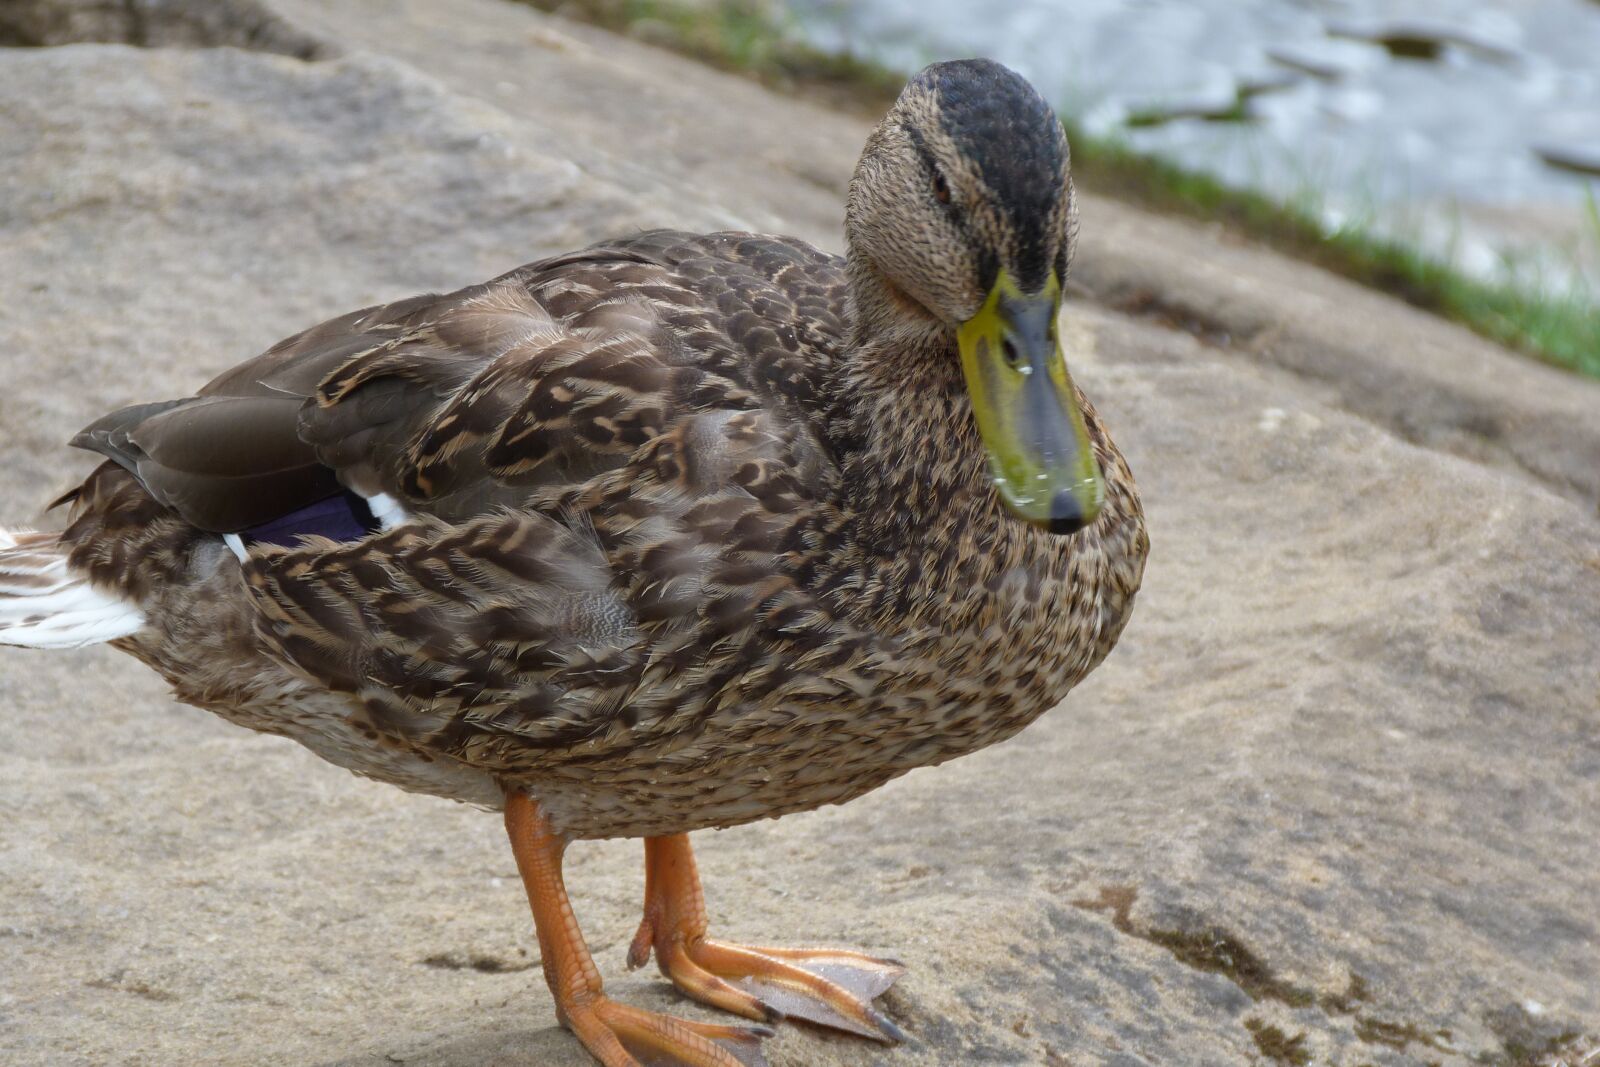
(620, 1036)
(830, 987)
(616, 1035)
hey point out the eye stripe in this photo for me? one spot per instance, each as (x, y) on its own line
(988, 261)
(926, 155)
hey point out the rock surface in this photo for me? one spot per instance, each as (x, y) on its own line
(1332, 801)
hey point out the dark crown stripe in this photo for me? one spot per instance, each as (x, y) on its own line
(1000, 122)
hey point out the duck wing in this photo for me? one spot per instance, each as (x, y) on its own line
(594, 467)
(455, 404)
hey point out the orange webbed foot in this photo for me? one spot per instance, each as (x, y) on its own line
(829, 987)
(621, 1036)
(615, 1034)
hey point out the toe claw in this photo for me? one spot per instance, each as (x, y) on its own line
(895, 1035)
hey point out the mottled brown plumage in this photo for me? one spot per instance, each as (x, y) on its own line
(682, 530)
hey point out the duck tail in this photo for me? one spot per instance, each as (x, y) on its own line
(46, 604)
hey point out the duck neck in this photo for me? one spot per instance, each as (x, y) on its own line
(915, 473)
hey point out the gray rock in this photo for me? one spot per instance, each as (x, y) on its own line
(155, 24)
(1336, 792)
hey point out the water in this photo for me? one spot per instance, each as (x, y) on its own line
(1452, 127)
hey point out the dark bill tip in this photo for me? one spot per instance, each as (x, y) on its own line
(1066, 516)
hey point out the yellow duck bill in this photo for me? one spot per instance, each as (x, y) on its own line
(1027, 409)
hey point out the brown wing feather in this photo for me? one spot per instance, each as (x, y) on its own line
(575, 363)
(459, 403)
(603, 454)
(233, 455)
(504, 635)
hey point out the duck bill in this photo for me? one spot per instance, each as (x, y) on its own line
(1027, 409)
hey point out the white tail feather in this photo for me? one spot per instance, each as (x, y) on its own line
(45, 605)
(386, 509)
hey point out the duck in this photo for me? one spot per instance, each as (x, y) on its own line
(673, 532)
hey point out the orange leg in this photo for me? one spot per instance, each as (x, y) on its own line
(832, 987)
(617, 1035)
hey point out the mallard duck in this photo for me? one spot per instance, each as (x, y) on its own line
(676, 531)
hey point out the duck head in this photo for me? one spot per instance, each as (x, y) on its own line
(962, 207)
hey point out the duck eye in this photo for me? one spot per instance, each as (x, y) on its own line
(941, 188)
